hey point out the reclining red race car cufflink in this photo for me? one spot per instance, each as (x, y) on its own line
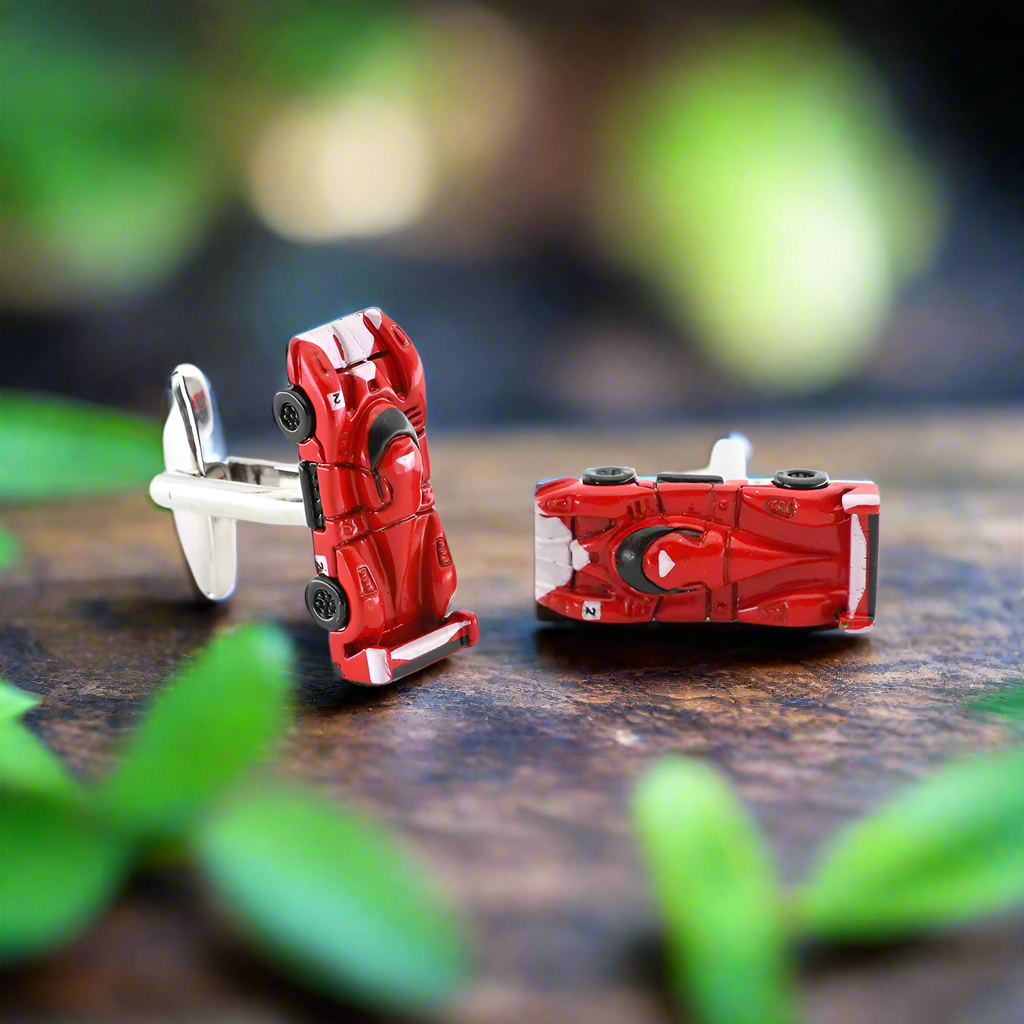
(796, 549)
(356, 407)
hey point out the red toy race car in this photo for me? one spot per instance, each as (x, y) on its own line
(710, 546)
(356, 408)
(385, 588)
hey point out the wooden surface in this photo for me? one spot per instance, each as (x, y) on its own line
(508, 767)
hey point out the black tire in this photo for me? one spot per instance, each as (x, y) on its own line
(326, 603)
(800, 479)
(293, 414)
(607, 476)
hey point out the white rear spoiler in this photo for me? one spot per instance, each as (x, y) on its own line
(863, 504)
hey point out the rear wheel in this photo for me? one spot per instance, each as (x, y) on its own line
(800, 479)
(293, 414)
(606, 476)
(326, 603)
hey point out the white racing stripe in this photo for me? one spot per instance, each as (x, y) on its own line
(552, 562)
(858, 564)
(344, 341)
(377, 663)
(428, 642)
(323, 337)
(579, 554)
(853, 500)
(354, 337)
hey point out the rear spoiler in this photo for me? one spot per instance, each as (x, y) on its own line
(863, 503)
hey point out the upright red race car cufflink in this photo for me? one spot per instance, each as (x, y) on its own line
(356, 407)
(795, 549)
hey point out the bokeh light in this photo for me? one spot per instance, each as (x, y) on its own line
(669, 211)
(106, 183)
(358, 166)
(413, 123)
(759, 180)
(476, 78)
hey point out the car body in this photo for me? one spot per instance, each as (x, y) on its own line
(385, 583)
(796, 550)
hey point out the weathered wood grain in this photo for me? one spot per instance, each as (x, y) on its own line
(509, 766)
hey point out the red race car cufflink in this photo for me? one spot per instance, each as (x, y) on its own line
(355, 406)
(713, 545)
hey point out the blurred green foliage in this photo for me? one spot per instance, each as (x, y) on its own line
(321, 890)
(761, 181)
(107, 177)
(1007, 703)
(117, 149)
(949, 850)
(60, 869)
(757, 177)
(279, 44)
(8, 548)
(715, 887)
(14, 702)
(331, 897)
(215, 718)
(28, 766)
(52, 446)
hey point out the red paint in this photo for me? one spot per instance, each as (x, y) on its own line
(735, 551)
(382, 538)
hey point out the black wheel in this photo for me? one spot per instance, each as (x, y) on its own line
(326, 603)
(606, 476)
(294, 414)
(800, 479)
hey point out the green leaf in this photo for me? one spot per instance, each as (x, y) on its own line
(88, 449)
(949, 850)
(725, 217)
(8, 548)
(108, 177)
(59, 870)
(331, 897)
(1008, 702)
(275, 43)
(14, 702)
(27, 765)
(714, 885)
(213, 721)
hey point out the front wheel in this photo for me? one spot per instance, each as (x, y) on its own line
(607, 476)
(800, 479)
(326, 603)
(293, 414)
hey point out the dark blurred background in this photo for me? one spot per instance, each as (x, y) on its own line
(580, 211)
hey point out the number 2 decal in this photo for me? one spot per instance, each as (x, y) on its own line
(336, 400)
